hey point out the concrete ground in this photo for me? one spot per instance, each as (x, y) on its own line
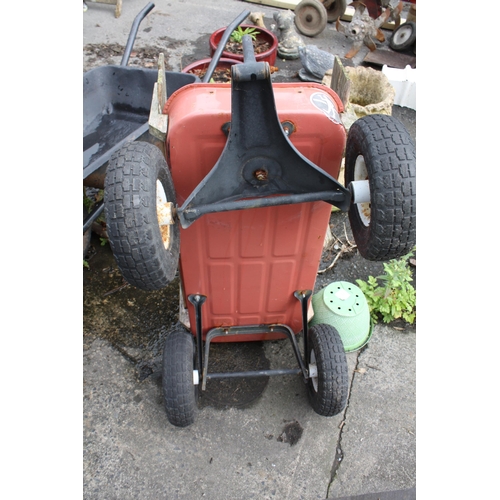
(130, 449)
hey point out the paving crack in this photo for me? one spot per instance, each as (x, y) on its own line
(339, 455)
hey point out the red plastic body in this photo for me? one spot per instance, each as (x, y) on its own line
(250, 262)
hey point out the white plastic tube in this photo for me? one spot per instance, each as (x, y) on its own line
(360, 191)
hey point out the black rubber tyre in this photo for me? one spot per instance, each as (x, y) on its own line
(146, 254)
(335, 9)
(404, 36)
(327, 391)
(87, 235)
(310, 17)
(380, 148)
(179, 391)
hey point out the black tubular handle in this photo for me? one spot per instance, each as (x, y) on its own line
(133, 32)
(222, 44)
(248, 51)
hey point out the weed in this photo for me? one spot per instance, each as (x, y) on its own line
(391, 295)
(237, 34)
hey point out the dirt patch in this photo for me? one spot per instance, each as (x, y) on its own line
(130, 319)
(103, 54)
(220, 75)
(349, 266)
(292, 432)
(259, 47)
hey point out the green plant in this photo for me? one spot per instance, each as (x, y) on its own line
(90, 201)
(391, 295)
(86, 264)
(237, 34)
(87, 202)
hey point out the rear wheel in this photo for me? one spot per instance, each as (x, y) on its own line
(381, 151)
(310, 17)
(328, 385)
(138, 191)
(179, 389)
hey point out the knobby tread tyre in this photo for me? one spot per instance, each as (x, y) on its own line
(177, 378)
(131, 219)
(389, 154)
(330, 398)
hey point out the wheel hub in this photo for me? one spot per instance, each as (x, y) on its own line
(311, 17)
(361, 174)
(402, 35)
(313, 371)
(164, 212)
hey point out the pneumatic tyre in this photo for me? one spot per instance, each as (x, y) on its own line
(137, 187)
(380, 149)
(179, 391)
(328, 386)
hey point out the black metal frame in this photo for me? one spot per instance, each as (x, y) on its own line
(259, 166)
(202, 354)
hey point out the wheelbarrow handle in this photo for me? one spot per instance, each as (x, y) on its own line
(133, 32)
(248, 50)
(222, 44)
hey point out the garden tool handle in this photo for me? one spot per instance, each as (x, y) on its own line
(222, 44)
(133, 32)
(248, 51)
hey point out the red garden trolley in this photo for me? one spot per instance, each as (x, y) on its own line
(239, 203)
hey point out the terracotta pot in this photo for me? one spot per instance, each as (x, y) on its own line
(203, 64)
(268, 36)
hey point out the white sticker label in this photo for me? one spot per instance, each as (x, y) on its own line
(325, 104)
(342, 294)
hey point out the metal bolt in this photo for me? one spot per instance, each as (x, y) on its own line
(260, 175)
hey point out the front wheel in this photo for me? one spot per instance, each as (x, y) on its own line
(178, 378)
(380, 150)
(327, 385)
(138, 191)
